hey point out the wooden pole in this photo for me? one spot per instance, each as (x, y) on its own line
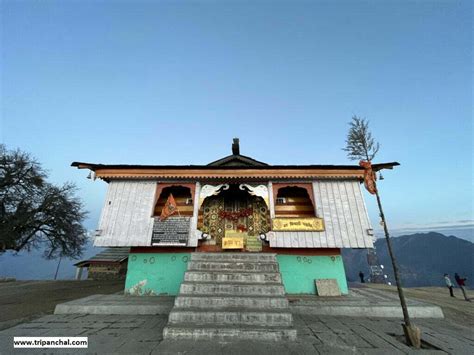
(401, 295)
(412, 333)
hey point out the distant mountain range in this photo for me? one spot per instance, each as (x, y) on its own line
(423, 259)
(32, 265)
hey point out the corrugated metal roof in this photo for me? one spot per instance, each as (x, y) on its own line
(116, 255)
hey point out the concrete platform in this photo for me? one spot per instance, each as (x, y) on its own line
(361, 302)
(117, 304)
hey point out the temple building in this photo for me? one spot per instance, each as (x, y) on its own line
(305, 214)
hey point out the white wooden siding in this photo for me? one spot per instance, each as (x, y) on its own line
(126, 217)
(341, 204)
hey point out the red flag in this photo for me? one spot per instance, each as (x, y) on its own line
(169, 209)
(369, 176)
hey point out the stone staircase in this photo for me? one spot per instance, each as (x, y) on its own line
(228, 296)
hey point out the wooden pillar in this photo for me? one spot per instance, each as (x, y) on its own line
(270, 200)
(315, 198)
(197, 192)
(193, 234)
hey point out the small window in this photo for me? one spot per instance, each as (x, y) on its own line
(296, 203)
(281, 201)
(182, 196)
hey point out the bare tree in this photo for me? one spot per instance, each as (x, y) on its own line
(360, 145)
(35, 213)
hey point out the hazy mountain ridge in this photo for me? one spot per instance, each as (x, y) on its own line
(32, 265)
(423, 259)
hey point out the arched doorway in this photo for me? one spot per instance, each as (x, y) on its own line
(233, 211)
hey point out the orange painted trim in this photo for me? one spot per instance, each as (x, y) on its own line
(227, 174)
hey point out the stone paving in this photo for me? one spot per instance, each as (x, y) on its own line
(142, 334)
(362, 302)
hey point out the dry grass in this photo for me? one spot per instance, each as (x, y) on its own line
(22, 301)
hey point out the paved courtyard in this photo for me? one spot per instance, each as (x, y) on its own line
(138, 329)
(129, 334)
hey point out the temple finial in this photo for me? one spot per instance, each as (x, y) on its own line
(236, 147)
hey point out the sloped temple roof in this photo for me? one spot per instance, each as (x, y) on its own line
(228, 167)
(109, 255)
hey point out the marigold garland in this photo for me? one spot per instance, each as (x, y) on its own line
(234, 216)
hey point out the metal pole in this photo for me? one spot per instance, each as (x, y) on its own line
(57, 268)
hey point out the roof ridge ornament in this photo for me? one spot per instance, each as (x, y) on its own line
(236, 147)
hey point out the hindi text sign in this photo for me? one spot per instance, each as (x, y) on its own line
(233, 243)
(298, 224)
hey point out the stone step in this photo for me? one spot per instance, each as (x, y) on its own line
(232, 276)
(223, 333)
(257, 289)
(245, 266)
(258, 257)
(230, 316)
(216, 302)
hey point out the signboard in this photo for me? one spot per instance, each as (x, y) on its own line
(172, 231)
(298, 224)
(253, 244)
(233, 243)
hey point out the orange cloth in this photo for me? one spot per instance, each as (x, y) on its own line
(169, 209)
(369, 176)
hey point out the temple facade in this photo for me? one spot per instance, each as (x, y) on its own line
(305, 214)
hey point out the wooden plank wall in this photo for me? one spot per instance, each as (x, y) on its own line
(341, 205)
(126, 218)
(295, 207)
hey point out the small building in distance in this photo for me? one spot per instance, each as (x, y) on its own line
(109, 264)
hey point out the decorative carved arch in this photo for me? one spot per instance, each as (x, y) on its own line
(210, 190)
(260, 191)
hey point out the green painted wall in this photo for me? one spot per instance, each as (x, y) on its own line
(300, 271)
(151, 274)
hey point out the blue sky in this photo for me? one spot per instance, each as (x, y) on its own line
(153, 82)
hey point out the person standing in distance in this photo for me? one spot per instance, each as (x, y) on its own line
(449, 284)
(461, 283)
